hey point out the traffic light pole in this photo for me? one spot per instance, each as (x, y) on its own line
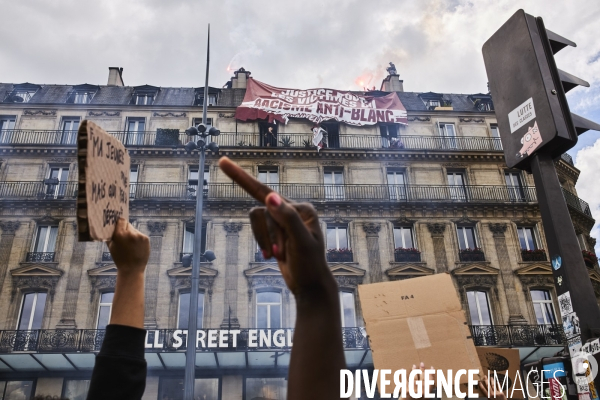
(573, 285)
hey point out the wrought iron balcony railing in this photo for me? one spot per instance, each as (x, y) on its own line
(518, 335)
(162, 340)
(172, 340)
(38, 190)
(339, 256)
(407, 256)
(40, 256)
(320, 192)
(471, 256)
(535, 255)
(576, 203)
(170, 138)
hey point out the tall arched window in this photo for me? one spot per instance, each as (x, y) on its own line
(479, 308)
(104, 309)
(32, 311)
(268, 310)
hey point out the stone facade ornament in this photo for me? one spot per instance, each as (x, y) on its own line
(232, 228)
(169, 114)
(9, 227)
(497, 229)
(371, 229)
(223, 115)
(436, 229)
(417, 118)
(474, 120)
(156, 228)
(104, 113)
(43, 113)
(34, 282)
(100, 283)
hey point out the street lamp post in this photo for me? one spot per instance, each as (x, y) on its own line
(204, 133)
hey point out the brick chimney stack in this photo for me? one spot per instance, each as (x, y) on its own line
(392, 83)
(115, 76)
(240, 78)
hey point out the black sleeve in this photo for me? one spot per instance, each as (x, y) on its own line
(120, 368)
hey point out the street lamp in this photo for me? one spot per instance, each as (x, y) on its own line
(204, 132)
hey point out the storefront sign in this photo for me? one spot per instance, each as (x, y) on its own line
(222, 338)
(264, 101)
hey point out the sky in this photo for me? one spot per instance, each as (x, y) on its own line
(435, 45)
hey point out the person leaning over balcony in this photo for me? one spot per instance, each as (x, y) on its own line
(120, 367)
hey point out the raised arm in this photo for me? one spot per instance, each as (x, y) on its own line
(120, 368)
(291, 233)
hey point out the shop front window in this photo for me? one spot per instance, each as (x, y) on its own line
(76, 389)
(204, 389)
(16, 390)
(266, 389)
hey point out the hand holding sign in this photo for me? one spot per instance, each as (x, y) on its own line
(103, 192)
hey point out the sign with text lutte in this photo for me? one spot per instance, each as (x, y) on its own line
(103, 191)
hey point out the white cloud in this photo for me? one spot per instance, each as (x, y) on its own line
(588, 161)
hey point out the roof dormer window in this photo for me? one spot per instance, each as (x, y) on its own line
(21, 93)
(482, 102)
(144, 95)
(434, 100)
(212, 96)
(82, 94)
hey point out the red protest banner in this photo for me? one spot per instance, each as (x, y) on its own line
(354, 108)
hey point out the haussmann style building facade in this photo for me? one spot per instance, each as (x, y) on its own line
(395, 200)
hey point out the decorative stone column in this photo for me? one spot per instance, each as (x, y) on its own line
(372, 230)
(156, 230)
(439, 248)
(231, 275)
(506, 274)
(9, 228)
(67, 319)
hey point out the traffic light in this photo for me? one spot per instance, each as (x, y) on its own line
(529, 91)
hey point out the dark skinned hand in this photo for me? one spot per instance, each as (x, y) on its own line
(286, 230)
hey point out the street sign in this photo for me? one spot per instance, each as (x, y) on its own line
(529, 91)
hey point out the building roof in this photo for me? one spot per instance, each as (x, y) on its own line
(170, 96)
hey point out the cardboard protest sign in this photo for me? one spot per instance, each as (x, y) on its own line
(103, 191)
(415, 320)
(503, 360)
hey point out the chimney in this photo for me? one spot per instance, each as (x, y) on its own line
(392, 83)
(238, 81)
(115, 76)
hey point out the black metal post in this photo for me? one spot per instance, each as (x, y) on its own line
(571, 278)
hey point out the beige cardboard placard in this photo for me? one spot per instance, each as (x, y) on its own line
(416, 320)
(502, 360)
(103, 192)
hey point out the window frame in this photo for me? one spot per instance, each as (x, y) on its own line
(145, 96)
(475, 236)
(337, 236)
(354, 314)
(198, 121)
(412, 236)
(46, 240)
(201, 296)
(541, 302)
(269, 305)
(534, 237)
(101, 304)
(33, 308)
(479, 314)
(6, 381)
(268, 170)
